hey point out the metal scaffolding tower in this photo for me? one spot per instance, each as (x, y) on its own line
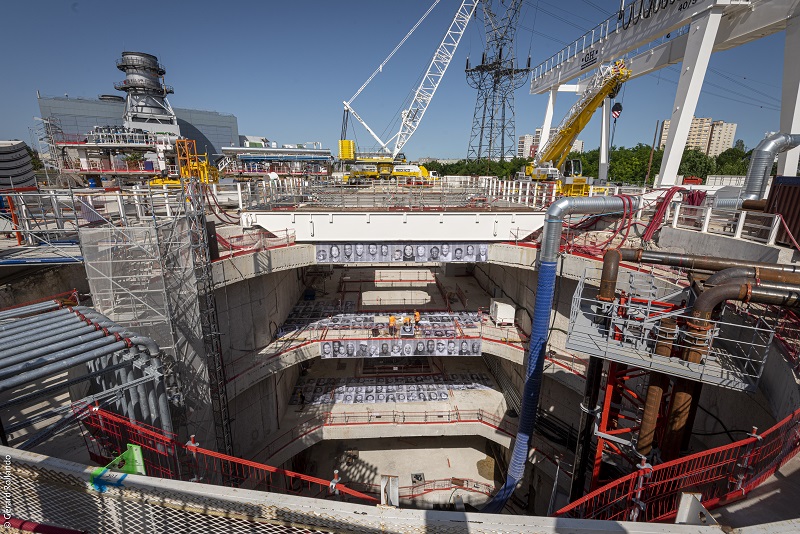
(201, 264)
(496, 77)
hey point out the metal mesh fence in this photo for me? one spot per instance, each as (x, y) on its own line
(60, 493)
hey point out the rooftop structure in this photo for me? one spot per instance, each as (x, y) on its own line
(16, 169)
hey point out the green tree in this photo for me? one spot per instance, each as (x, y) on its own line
(696, 163)
(36, 161)
(732, 162)
(739, 144)
(133, 157)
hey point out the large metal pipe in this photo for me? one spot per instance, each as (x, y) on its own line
(608, 278)
(59, 366)
(45, 339)
(148, 343)
(704, 263)
(697, 345)
(40, 307)
(548, 258)
(50, 349)
(608, 289)
(761, 160)
(725, 276)
(161, 393)
(39, 321)
(43, 361)
(666, 333)
(164, 414)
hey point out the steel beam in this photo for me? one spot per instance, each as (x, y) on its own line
(605, 131)
(702, 34)
(790, 97)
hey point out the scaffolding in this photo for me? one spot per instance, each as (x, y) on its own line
(147, 261)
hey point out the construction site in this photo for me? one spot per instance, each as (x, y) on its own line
(274, 339)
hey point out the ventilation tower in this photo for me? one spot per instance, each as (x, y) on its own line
(146, 106)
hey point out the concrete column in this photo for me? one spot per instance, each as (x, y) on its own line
(548, 118)
(605, 134)
(790, 97)
(699, 46)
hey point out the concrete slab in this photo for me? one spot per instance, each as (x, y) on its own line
(362, 462)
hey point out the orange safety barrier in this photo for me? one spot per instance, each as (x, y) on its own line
(721, 475)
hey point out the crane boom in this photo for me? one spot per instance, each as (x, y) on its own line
(607, 80)
(411, 117)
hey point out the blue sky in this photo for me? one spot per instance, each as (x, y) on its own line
(284, 68)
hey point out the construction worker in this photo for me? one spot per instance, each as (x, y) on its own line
(392, 325)
(406, 324)
(416, 320)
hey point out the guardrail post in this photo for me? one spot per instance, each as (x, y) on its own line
(239, 194)
(744, 465)
(773, 232)
(676, 215)
(740, 225)
(121, 207)
(166, 202)
(706, 220)
(645, 471)
(591, 190)
(56, 210)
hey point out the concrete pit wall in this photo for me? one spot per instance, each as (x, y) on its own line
(249, 313)
(25, 284)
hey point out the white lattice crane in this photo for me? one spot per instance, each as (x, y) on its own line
(411, 117)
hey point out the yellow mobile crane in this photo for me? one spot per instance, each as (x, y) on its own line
(390, 162)
(550, 163)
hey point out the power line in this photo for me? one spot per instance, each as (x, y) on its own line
(600, 9)
(560, 18)
(730, 78)
(747, 102)
(728, 89)
(572, 15)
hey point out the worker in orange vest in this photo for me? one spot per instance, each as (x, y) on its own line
(392, 325)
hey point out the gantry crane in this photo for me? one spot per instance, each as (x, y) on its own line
(550, 162)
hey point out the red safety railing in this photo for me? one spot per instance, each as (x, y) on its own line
(165, 457)
(720, 476)
(237, 245)
(429, 486)
(435, 417)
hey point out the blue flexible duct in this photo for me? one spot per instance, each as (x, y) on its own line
(548, 257)
(533, 382)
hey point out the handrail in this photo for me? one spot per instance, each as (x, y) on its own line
(329, 419)
(166, 457)
(448, 484)
(720, 475)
